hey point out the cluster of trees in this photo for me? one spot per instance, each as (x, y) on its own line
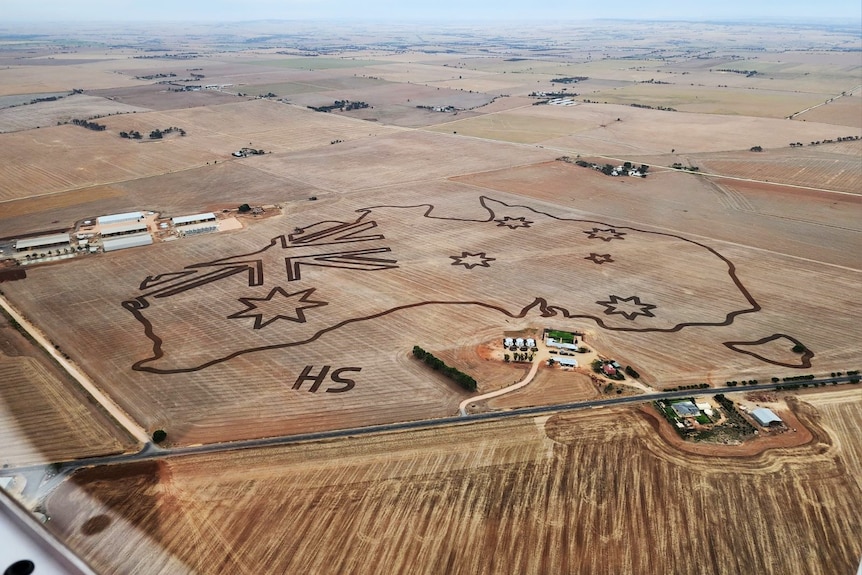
(518, 356)
(154, 76)
(569, 80)
(662, 108)
(632, 373)
(736, 419)
(756, 149)
(734, 383)
(133, 135)
(89, 125)
(159, 134)
(747, 73)
(678, 166)
(452, 373)
(342, 105)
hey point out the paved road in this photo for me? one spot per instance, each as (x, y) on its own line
(151, 452)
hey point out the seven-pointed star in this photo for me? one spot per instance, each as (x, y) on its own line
(628, 307)
(599, 258)
(605, 235)
(471, 261)
(285, 306)
(513, 223)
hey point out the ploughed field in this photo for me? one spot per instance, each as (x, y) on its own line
(591, 492)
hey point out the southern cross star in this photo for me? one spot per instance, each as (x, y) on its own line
(599, 258)
(628, 307)
(471, 261)
(277, 305)
(513, 223)
(604, 235)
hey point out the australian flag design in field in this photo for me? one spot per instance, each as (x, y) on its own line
(513, 259)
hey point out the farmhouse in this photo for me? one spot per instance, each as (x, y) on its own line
(52, 241)
(686, 409)
(128, 241)
(766, 417)
(608, 369)
(118, 218)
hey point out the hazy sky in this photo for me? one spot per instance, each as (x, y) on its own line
(239, 10)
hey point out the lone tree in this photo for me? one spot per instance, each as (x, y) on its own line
(159, 435)
(244, 208)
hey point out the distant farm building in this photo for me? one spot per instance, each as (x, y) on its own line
(195, 224)
(123, 229)
(608, 369)
(766, 417)
(567, 361)
(508, 342)
(50, 242)
(519, 342)
(531, 342)
(193, 219)
(686, 409)
(123, 242)
(118, 218)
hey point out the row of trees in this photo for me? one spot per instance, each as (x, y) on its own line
(690, 386)
(452, 373)
(518, 357)
(342, 105)
(89, 125)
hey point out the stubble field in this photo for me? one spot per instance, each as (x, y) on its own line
(592, 492)
(43, 416)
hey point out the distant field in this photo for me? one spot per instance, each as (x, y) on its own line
(64, 158)
(709, 100)
(846, 111)
(317, 63)
(601, 129)
(44, 114)
(800, 169)
(570, 491)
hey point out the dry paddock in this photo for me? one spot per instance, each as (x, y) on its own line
(588, 492)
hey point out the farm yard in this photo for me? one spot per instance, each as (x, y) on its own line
(568, 489)
(449, 213)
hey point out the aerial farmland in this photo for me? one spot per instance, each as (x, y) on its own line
(427, 306)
